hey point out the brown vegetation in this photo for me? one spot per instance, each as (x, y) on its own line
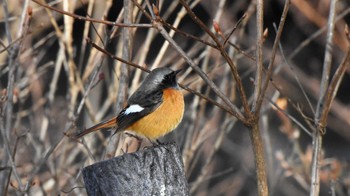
(265, 83)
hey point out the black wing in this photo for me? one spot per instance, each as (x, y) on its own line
(149, 101)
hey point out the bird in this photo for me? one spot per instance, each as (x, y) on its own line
(155, 109)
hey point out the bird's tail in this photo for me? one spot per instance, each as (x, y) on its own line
(102, 125)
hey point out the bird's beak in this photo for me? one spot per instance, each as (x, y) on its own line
(178, 71)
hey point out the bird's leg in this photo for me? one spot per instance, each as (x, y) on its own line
(139, 140)
(154, 143)
(126, 150)
(159, 142)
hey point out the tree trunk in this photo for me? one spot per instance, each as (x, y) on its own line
(153, 171)
(258, 149)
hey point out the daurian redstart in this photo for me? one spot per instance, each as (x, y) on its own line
(155, 108)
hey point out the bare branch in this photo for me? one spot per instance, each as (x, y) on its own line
(234, 28)
(233, 67)
(273, 55)
(92, 19)
(334, 85)
(225, 108)
(296, 77)
(317, 137)
(259, 55)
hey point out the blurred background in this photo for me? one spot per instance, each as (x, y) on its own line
(62, 84)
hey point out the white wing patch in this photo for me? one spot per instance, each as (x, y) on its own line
(133, 109)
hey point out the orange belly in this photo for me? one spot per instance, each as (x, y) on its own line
(164, 119)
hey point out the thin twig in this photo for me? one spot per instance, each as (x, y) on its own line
(40, 163)
(334, 85)
(115, 57)
(209, 156)
(273, 55)
(78, 17)
(234, 29)
(296, 77)
(251, 57)
(225, 108)
(10, 159)
(53, 147)
(94, 55)
(123, 72)
(176, 23)
(233, 67)
(66, 43)
(12, 64)
(18, 137)
(5, 132)
(212, 85)
(315, 35)
(167, 25)
(8, 47)
(327, 60)
(143, 10)
(289, 116)
(317, 134)
(87, 25)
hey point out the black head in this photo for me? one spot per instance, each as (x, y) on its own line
(151, 90)
(169, 79)
(160, 78)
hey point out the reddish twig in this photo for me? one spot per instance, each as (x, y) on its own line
(272, 61)
(233, 30)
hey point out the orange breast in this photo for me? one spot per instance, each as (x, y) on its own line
(164, 119)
